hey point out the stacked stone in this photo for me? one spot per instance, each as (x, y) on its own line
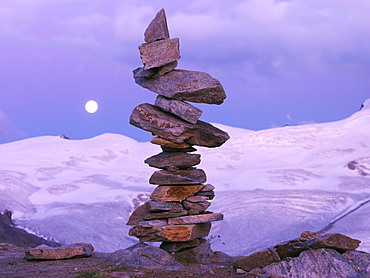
(176, 213)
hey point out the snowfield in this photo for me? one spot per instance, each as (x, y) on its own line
(271, 185)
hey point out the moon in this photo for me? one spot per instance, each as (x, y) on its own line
(91, 106)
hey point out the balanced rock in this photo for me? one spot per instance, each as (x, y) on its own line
(165, 125)
(193, 86)
(174, 193)
(196, 207)
(191, 176)
(159, 53)
(155, 206)
(157, 28)
(171, 232)
(179, 108)
(44, 252)
(167, 68)
(165, 160)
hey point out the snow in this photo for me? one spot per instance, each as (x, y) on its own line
(271, 185)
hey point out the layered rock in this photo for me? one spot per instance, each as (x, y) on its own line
(176, 213)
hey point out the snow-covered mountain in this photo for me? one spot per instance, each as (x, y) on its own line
(271, 185)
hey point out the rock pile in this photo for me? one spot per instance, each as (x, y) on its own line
(176, 213)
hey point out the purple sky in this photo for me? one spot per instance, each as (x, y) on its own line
(280, 62)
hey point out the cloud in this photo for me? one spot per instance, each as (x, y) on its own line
(8, 132)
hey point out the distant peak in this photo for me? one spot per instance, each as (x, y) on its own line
(365, 104)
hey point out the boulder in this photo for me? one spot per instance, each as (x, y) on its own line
(190, 176)
(177, 246)
(157, 28)
(337, 241)
(291, 249)
(194, 219)
(159, 53)
(193, 86)
(171, 232)
(174, 192)
(255, 260)
(44, 252)
(165, 160)
(179, 108)
(165, 125)
(322, 263)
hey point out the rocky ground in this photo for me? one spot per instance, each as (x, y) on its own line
(13, 264)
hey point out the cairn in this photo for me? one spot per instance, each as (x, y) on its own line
(176, 213)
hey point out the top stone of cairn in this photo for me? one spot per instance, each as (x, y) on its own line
(157, 29)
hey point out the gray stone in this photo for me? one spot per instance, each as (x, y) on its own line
(193, 219)
(179, 108)
(159, 53)
(171, 233)
(165, 143)
(44, 252)
(178, 177)
(138, 215)
(164, 214)
(209, 194)
(153, 223)
(167, 68)
(338, 242)
(177, 246)
(307, 235)
(165, 125)
(142, 73)
(165, 160)
(195, 199)
(291, 249)
(255, 260)
(193, 86)
(202, 254)
(157, 28)
(174, 192)
(155, 206)
(322, 263)
(207, 187)
(198, 207)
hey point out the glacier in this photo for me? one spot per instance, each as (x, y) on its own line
(271, 185)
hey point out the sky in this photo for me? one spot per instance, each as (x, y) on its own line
(280, 62)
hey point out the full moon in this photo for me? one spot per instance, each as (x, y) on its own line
(91, 106)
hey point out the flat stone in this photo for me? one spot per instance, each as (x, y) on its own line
(336, 241)
(167, 68)
(190, 176)
(255, 260)
(164, 214)
(177, 246)
(153, 223)
(174, 192)
(138, 215)
(179, 108)
(291, 249)
(44, 252)
(159, 53)
(193, 86)
(207, 187)
(309, 236)
(142, 73)
(155, 206)
(165, 143)
(170, 127)
(199, 206)
(171, 233)
(195, 199)
(165, 160)
(194, 219)
(209, 194)
(157, 28)
(188, 150)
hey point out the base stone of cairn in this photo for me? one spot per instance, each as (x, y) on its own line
(176, 213)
